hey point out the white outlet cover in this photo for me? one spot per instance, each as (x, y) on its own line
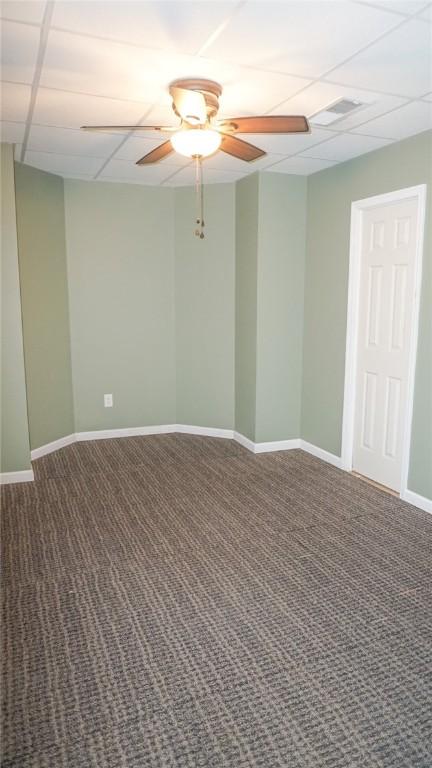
(108, 401)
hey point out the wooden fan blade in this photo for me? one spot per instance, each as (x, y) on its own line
(266, 124)
(156, 154)
(163, 128)
(241, 149)
(190, 105)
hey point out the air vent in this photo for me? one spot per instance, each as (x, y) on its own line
(335, 111)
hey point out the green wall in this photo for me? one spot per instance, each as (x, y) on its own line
(15, 447)
(270, 255)
(280, 289)
(204, 308)
(330, 194)
(45, 309)
(247, 190)
(120, 251)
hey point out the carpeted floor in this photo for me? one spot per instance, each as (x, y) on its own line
(175, 601)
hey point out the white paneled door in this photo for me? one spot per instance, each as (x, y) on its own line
(386, 304)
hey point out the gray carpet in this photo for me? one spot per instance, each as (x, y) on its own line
(175, 601)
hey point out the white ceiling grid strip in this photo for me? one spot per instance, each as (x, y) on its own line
(43, 39)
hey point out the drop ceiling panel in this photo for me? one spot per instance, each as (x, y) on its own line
(12, 133)
(256, 92)
(406, 7)
(427, 13)
(63, 164)
(294, 37)
(161, 113)
(171, 26)
(125, 170)
(321, 95)
(15, 100)
(221, 161)
(30, 11)
(400, 63)
(135, 148)
(19, 49)
(115, 70)
(282, 144)
(71, 110)
(403, 122)
(78, 177)
(104, 68)
(64, 141)
(186, 177)
(301, 166)
(148, 181)
(345, 147)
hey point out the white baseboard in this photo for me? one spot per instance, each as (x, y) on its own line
(418, 501)
(187, 429)
(108, 434)
(23, 476)
(320, 453)
(275, 445)
(244, 441)
(162, 429)
(62, 442)
(288, 445)
(278, 445)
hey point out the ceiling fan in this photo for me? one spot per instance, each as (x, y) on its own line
(196, 103)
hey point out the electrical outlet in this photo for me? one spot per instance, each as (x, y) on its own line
(108, 401)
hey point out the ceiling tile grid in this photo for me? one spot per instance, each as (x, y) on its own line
(67, 63)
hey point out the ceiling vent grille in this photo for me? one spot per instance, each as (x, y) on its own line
(335, 111)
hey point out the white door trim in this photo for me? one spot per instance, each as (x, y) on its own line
(357, 209)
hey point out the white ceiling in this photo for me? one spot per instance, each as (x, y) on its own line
(64, 64)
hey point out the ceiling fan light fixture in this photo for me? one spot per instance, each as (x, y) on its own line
(195, 142)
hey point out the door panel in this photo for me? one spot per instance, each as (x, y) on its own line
(374, 305)
(391, 416)
(385, 310)
(399, 301)
(369, 410)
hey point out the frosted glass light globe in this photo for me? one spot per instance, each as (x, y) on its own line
(196, 141)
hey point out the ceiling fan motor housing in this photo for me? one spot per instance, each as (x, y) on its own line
(208, 88)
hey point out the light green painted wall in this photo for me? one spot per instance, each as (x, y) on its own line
(280, 289)
(204, 316)
(120, 250)
(45, 308)
(247, 190)
(330, 194)
(15, 447)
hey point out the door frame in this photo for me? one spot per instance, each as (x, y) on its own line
(358, 207)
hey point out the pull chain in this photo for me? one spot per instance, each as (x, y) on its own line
(199, 193)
